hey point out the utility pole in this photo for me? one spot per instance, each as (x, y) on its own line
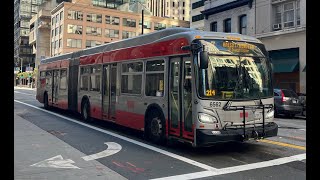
(142, 20)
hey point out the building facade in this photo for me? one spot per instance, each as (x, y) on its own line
(196, 17)
(284, 35)
(24, 10)
(76, 26)
(40, 28)
(175, 9)
(279, 24)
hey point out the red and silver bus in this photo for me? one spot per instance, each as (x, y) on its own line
(193, 86)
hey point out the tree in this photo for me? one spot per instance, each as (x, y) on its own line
(34, 73)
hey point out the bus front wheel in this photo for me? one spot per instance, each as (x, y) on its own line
(156, 127)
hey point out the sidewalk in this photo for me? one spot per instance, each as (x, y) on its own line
(33, 145)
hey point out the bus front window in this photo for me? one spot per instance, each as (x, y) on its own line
(235, 76)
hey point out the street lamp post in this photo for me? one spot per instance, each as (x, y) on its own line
(142, 21)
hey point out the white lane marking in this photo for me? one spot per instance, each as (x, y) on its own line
(302, 129)
(234, 169)
(181, 158)
(24, 93)
(113, 148)
(56, 162)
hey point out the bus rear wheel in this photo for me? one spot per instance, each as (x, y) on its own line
(156, 127)
(85, 111)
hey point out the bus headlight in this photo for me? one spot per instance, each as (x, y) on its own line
(205, 118)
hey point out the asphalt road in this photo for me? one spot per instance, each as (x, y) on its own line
(281, 157)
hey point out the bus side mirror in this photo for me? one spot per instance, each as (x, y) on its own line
(203, 59)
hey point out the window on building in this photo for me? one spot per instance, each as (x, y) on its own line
(92, 43)
(97, 18)
(277, 17)
(159, 26)
(74, 29)
(243, 24)
(24, 32)
(60, 43)
(53, 20)
(61, 15)
(112, 20)
(128, 34)
(183, 11)
(57, 18)
(183, 4)
(56, 31)
(214, 27)
(60, 29)
(147, 24)
(167, 4)
(198, 4)
(197, 18)
(129, 22)
(57, 44)
(172, 4)
(131, 77)
(100, 3)
(74, 43)
(288, 14)
(154, 85)
(76, 15)
(298, 12)
(93, 31)
(52, 33)
(111, 33)
(227, 25)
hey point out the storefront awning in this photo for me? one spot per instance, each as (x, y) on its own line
(285, 65)
(286, 60)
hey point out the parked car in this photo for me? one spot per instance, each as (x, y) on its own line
(287, 102)
(303, 99)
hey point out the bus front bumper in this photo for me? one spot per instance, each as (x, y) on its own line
(207, 137)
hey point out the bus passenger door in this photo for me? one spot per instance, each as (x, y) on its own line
(187, 128)
(106, 91)
(113, 91)
(109, 92)
(174, 97)
(55, 88)
(180, 98)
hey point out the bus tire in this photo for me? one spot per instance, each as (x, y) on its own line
(156, 127)
(85, 110)
(45, 101)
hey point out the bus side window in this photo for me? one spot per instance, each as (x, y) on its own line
(154, 85)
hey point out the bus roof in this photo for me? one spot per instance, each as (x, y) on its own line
(157, 36)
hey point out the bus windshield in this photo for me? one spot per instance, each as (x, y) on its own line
(240, 73)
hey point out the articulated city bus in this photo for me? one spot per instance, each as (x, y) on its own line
(193, 86)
